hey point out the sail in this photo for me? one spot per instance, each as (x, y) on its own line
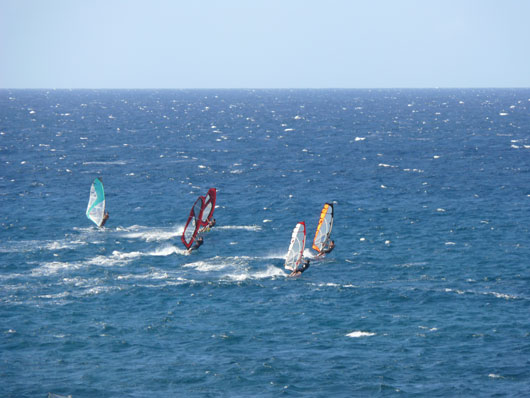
(296, 248)
(324, 227)
(96, 203)
(209, 206)
(192, 225)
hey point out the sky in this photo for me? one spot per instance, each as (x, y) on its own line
(264, 43)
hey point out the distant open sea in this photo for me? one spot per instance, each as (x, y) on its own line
(427, 293)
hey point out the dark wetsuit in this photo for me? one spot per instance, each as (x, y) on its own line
(299, 271)
(197, 244)
(327, 250)
(105, 218)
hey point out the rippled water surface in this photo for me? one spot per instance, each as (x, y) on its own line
(426, 294)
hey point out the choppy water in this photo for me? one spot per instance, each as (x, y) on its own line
(426, 294)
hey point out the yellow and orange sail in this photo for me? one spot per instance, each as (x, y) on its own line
(325, 223)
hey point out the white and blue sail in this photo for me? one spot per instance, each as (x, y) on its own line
(296, 248)
(96, 203)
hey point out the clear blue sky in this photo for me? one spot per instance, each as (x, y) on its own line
(264, 43)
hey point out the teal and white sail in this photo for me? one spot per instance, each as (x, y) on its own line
(96, 203)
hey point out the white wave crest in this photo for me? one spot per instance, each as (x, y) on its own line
(308, 253)
(205, 266)
(53, 267)
(167, 251)
(359, 333)
(115, 162)
(34, 245)
(254, 228)
(270, 272)
(150, 234)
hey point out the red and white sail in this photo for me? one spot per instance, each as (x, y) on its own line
(208, 207)
(192, 225)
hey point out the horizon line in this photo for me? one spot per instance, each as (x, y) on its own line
(269, 88)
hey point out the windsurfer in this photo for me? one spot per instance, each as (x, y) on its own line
(105, 218)
(299, 271)
(207, 227)
(327, 249)
(197, 244)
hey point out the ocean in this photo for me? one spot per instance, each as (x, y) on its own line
(426, 294)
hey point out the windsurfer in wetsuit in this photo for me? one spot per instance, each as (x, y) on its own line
(211, 223)
(299, 271)
(327, 249)
(105, 218)
(197, 244)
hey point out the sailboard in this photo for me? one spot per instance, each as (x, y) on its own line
(96, 203)
(296, 248)
(325, 223)
(208, 207)
(192, 225)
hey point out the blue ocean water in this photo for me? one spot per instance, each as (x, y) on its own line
(426, 294)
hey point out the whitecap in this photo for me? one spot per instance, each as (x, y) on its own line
(254, 228)
(59, 245)
(116, 258)
(111, 162)
(204, 266)
(360, 138)
(154, 275)
(501, 295)
(329, 284)
(150, 234)
(359, 333)
(495, 376)
(308, 253)
(53, 267)
(270, 272)
(166, 251)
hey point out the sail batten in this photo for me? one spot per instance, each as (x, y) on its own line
(96, 203)
(296, 248)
